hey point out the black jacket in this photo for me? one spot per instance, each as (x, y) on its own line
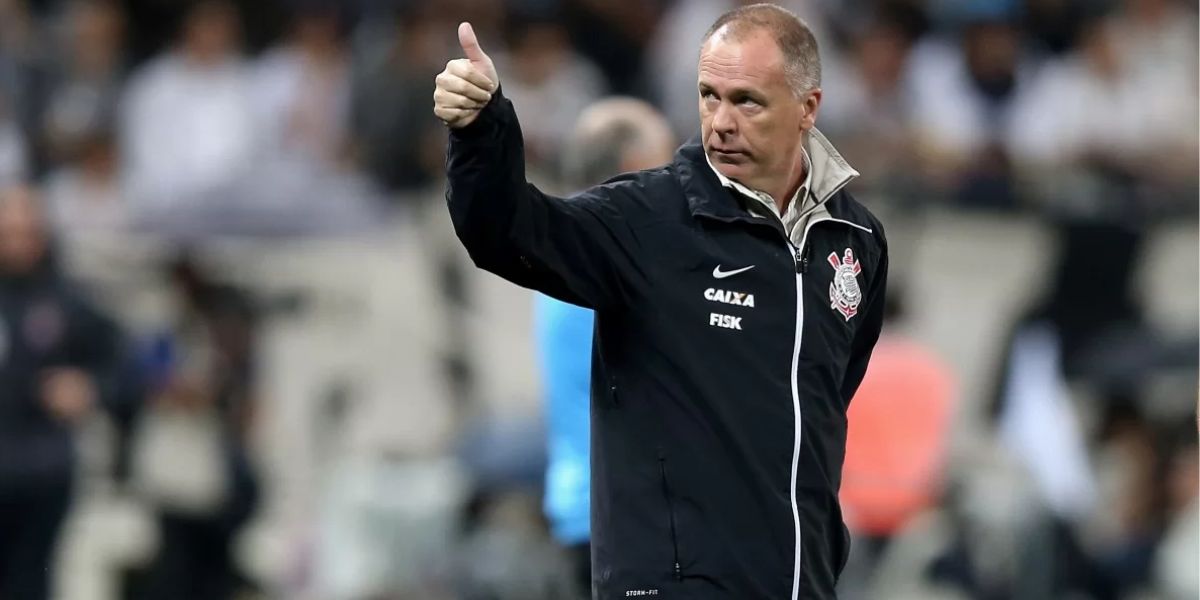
(718, 400)
(46, 324)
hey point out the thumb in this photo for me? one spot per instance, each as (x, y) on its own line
(470, 45)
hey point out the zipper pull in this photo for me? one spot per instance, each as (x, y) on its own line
(801, 261)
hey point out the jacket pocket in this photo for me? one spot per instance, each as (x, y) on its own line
(676, 570)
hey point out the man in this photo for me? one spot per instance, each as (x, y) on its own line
(612, 136)
(59, 358)
(738, 294)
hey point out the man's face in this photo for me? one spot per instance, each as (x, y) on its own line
(750, 118)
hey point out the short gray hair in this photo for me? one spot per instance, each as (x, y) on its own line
(801, 57)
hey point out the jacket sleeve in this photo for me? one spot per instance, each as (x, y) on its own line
(868, 331)
(578, 249)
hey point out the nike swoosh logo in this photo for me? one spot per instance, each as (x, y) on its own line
(719, 274)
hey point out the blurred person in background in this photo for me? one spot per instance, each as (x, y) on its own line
(392, 138)
(187, 120)
(548, 80)
(964, 87)
(193, 461)
(874, 119)
(85, 81)
(707, 480)
(303, 181)
(86, 197)
(615, 135)
(302, 89)
(18, 57)
(1158, 38)
(59, 360)
(23, 59)
(1078, 157)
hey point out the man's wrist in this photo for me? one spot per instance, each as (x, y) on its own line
(484, 123)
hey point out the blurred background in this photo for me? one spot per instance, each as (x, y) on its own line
(243, 356)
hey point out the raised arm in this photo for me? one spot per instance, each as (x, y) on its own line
(580, 249)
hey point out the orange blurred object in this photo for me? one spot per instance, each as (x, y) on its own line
(895, 447)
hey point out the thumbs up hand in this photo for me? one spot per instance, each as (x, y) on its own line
(467, 84)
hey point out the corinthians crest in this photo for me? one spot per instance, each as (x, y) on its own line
(844, 293)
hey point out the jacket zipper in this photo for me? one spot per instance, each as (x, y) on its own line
(662, 469)
(801, 258)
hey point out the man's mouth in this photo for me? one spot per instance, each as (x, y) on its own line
(728, 155)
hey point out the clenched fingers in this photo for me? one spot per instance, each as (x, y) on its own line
(441, 97)
(461, 87)
(459, 96)
(462, 68)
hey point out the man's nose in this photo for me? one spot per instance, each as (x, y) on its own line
(723, 120)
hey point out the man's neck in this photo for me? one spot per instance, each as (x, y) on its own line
(795, 180)
(785, 198)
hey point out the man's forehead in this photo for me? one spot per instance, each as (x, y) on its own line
(752, 56)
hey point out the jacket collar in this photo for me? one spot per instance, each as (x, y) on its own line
(831, 172)
(798, 201)
(702, 186)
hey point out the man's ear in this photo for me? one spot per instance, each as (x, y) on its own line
(812, 103)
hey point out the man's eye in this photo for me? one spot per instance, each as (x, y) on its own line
(748, 102)
(707, 95)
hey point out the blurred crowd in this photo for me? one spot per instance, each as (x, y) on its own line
(288, 103)
(198, 197)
